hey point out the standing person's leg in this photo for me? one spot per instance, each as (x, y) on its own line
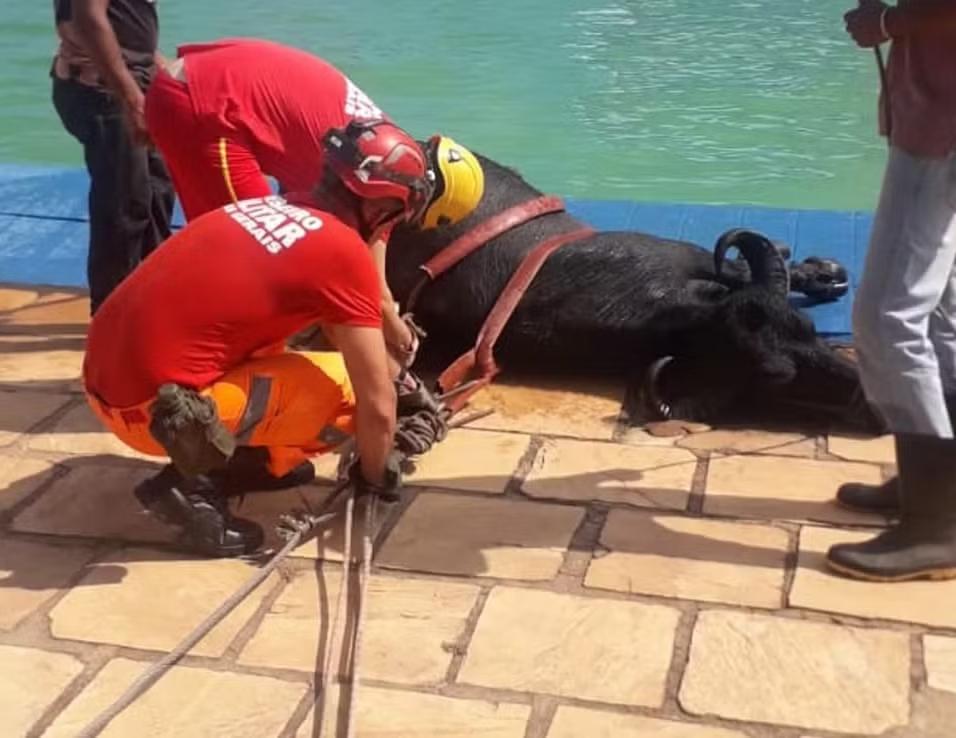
(943, 334)
(120, 197)
(905, 349)
(908, 269)
(210, 167)
(905, 332)
(162, 203)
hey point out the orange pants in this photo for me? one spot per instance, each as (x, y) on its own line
(296, 404)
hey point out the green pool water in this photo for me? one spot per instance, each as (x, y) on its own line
(742, 101)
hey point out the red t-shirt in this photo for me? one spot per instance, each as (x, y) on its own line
(234, 281)
(280, 100)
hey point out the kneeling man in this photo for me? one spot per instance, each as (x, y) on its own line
(186, 359)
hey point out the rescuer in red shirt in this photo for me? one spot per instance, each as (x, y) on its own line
(187, 357)
(227, 114)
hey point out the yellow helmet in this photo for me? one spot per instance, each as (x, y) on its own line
(459, 184)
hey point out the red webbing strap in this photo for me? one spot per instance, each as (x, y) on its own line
(489, 229)
(480, 235)
(482, 355)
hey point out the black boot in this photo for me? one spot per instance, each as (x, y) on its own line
(872, 498)
(883, 499)
(248, 471)
(201, 510)
(923, 544)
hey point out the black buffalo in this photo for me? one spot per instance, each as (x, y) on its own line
(700, 336)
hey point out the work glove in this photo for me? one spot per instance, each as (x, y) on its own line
(413, 395)
(389, 491)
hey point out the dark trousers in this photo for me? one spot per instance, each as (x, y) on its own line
(131, 196)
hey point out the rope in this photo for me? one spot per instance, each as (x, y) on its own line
(156, 670)
(418, 432)
(365, 574)
(341, 605)
(151, 675)
(298, 528)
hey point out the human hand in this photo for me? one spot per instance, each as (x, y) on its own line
(388, 489)
(415, 333)
(864, 25)
(399, 338)
(406, 351)
(134, 109)
(403, 337)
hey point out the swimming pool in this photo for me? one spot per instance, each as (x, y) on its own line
(744, 101)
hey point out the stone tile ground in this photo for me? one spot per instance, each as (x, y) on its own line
(549, 574)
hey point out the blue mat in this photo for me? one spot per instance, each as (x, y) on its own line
(43, 231)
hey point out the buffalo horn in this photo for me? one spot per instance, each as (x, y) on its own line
(767, 266)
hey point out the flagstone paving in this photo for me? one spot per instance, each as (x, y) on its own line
(815, 587)
(691, 558)
(188, 702)
(20, 411)
(384, 713)
(941, 662)
(549, 573)
(809, 675)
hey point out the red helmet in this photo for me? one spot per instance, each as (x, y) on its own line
(377, 160)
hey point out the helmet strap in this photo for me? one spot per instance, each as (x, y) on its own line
(434, 172)
(369, 227)
(334, 197)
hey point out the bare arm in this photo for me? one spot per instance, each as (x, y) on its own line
(363, 350)
(398, 337)
(99, 39)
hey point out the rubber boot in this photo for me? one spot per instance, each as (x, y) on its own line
(872, 498)
(248, 471)
(881, 498)
(923, 544)
(201, 510)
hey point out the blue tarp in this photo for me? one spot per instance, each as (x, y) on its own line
(43, 231)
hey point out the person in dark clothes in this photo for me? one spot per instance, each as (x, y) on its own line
(104, 63)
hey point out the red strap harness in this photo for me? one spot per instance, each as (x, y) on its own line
(482, 354)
